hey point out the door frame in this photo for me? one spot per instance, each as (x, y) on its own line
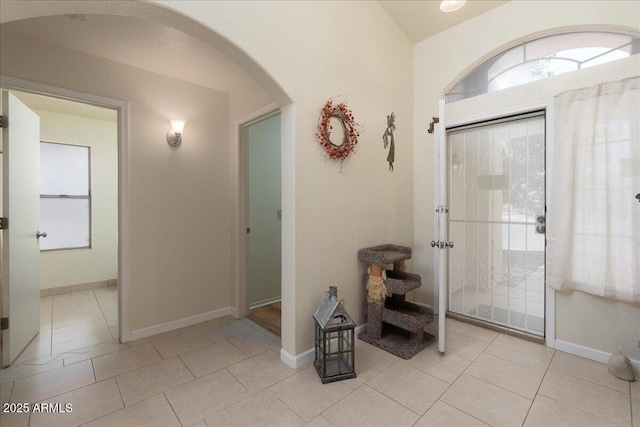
(441, 181)
(12, 83)
(242, 210)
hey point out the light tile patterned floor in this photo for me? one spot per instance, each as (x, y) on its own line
(227, 372)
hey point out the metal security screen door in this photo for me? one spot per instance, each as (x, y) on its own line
(496, 175)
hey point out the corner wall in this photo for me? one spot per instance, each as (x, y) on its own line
(353, 52)
(581, 319)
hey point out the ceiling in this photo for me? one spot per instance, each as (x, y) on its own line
(161, 49)
(422, 19)
(57, 105)
(139, 43)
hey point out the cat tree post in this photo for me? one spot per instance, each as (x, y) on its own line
(374, 307)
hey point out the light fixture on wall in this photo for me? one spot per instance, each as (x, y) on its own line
(174, 135)
(451, 6)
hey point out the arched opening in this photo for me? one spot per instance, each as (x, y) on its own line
(14, 12)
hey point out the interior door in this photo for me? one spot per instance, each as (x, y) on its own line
(262, 166)
(497, 221)
(21, 205)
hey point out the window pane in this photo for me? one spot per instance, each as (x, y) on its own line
(543, 58)
(66, 222)
(64, 169)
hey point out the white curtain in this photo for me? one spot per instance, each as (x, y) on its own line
(593, 220)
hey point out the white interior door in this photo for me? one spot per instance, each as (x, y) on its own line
(21, 205)
(497, 220)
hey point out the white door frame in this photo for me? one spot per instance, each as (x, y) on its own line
(9, 83)
(242, 211)
(547, 105)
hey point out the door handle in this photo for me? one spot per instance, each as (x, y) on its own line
(39, 234)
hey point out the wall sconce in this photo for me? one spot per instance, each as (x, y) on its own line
(456, 164)
(451, 6)
(174, 135)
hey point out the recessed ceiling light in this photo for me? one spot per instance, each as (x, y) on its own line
(451, 6)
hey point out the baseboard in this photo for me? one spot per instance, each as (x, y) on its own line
(265, 302)
(590, 353)
(177, 324)
(60, 290)
(294, 362)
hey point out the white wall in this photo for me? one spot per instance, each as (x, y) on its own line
(100, 262)
(316, 51)
(581, 319)
(179, 198)
(262, 154)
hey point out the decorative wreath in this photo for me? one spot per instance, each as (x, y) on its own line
(347, 146)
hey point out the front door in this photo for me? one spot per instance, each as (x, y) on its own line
(496, 176)
(21, 205)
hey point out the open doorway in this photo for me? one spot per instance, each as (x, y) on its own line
(263, 215)
(78, 201)
(497, 209)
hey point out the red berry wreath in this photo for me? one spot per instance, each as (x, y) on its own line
(340, 111)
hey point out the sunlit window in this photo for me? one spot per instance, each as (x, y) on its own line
(542, 58)
(65, 196)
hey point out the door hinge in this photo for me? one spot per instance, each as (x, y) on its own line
(4, 323)
(4, 223)
(4, 121)
(442, 209)
(248, 230)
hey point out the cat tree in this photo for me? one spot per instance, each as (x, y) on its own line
(393, 324)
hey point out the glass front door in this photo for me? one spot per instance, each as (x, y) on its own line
(496, 199)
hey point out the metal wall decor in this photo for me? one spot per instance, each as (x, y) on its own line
(387, 138)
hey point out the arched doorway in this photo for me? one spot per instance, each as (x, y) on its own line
(18, 11)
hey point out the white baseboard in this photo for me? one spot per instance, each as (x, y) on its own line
(264, 302)
(590, 353)
(180, 323)
(307, 356)
(294, 362)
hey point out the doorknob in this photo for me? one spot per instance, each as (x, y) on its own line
(39, 234)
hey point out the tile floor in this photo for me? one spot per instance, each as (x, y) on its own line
(227, 372)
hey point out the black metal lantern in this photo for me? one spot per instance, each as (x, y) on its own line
(335, 342)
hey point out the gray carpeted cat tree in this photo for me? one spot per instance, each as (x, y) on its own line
(393, 324)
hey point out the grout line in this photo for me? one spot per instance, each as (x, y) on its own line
(538, 389)
(164, 393)
(581, 378)
(190, 371)
(288, 407)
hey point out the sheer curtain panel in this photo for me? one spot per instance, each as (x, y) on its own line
(593, 220)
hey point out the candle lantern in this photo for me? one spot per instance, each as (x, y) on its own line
(334, 340)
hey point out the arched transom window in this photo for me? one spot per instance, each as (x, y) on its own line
(542, 58)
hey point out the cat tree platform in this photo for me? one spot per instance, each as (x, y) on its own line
(393, 324)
